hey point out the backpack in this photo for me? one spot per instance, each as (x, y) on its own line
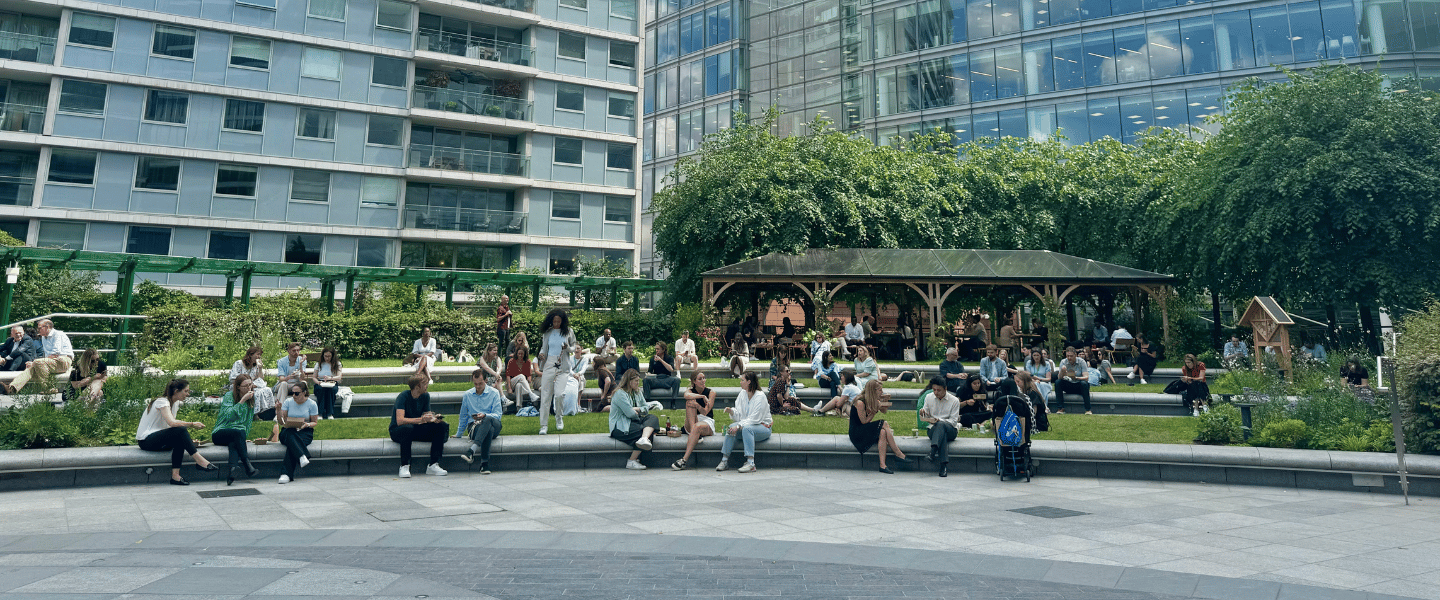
(1010, 433)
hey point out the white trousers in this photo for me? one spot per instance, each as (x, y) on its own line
(552, 388)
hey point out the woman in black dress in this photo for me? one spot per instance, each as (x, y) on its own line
(1146, 360)
(867, 431)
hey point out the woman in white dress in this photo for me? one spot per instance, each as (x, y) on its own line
(581, 361)
(424, 351)
(253, 365)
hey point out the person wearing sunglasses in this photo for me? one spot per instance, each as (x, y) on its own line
(297, 420)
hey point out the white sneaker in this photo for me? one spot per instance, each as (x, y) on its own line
(1143, 382)
(724, 464)
(304, 461)
(331, 417)
(405, 472)
(644, 444)
(1205, 408)
(559, 423)
(749, 467)
(1131, 375)
(544, 431)
(434, 469)
(634, 465)
(284, 479)
(1195, 412)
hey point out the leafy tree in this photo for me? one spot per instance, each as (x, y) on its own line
(10, 240)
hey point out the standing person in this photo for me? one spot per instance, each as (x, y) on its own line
(1044, 374)
(480, 412)
(521, 373)
(289, 369)
(849, 391)
(87, 379)
(750, 422)
(865, 368)
(232, 426)
(699, 417)
(867, 431)
(1355, 374)
(992, 368)
(827, 372)
(557, 341)
(1148, 357)
(502, 321)
(662, 373)
(58, 355)
(1192, 379)
(942, 412)
(159, 430)
(425, 351)
(630, 420)
(605, 344)
(494, 369)
(297, 436)
(685, 352)
(326, 378)
(1074, 377)
(412, 421)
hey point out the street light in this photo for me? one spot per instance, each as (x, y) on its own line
(12, 274)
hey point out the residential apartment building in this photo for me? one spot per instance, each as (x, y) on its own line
(433, 133)
(1085, 68)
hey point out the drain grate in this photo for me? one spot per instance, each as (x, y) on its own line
(229, 493)
(1048, 512)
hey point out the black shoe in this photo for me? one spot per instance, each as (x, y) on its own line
(230, 477)
(944, 469)
(251, 470)
(179, 482)
(210, 468)
(484, 468)
(468, 456)
(886, 470)
(934, 454)
(904, 461)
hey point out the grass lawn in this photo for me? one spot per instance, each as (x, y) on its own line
(1098, 428)
(718, 382)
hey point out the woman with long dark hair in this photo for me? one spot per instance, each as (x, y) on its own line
(326, 378)
(557, 342)
(232, 426)
(699, 416)
(159, 430)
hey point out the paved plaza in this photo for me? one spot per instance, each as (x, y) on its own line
(659, 534)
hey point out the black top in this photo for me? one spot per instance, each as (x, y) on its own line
(414, 407)
(71, 392)
(656, 368)
(625, 363)
(1356, 376)
(749, 334)
(730, 333)
(1043, 332)
(706, 402)
(788, 332)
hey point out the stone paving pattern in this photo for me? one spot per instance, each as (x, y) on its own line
(1366, 544)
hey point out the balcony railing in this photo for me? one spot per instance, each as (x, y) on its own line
(26, 118)
(17, 190)
(520, 5)
(27, 47)
(472, 103)
(474, 161)
(432, 40)
(449, 218)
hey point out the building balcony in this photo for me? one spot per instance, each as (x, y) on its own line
(27, 47)
(520, 5)
(473, 161)
(471, 103)
(477, 220)
(24, 118)
(455, 44)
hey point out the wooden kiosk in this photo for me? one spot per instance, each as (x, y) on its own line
(1271, 325)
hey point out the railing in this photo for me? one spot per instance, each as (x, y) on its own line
(432, 40)
(27, 47)
(121, 337)
(449, 218)
(474, 161)
(472, 103)
(520, 5)
(26, 118)
(16, 190)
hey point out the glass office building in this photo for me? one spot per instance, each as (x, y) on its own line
(1086, 68)
(433, 133)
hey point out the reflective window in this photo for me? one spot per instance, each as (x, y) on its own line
(175, 42)
(1307, 35)
(1340, 37)
(1197, 37)
(622, 54)
(955, 11)
(692, 33)
(1385, 27)
(1094, 9)
(1163, 47)
(1012, 123)
(1099, 58)
(982, 73)
(569, 96)
(1104, 118)
(571, 46)
(959, 78)
(1006, 16)
(1125, 7)
(1201, 103)
(620, 156)
(1169, 109)
(157, 173)
(229, 245)
(569, 150)
(309, 186)
(72, 166)
(978, 19)
(82, 97)
(1063, 11)
(986, 125)
(1136, 115)
(1008, 75)
(1131, 62)
(1271, 29)
(1073, 122)
(92, 30)
(148, 240)
(1039, 68)
(1069, 62)
(303, 248)
(236, 180)
(1233, 42)
(667, 46)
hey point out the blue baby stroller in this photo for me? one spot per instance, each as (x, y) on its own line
(1012, 439)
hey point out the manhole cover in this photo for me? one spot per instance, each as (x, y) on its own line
(227, 493)
(1048, 512)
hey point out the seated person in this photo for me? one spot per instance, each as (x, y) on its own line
(662, 374)
(849, 391)
(942, 412)
(952, 371)
(1074, 377)
(627, 361)
(787, 332)
(413, 421)
(297, 437)
(854, 333)
(480, 412)
(18, 349)
(1355, 374)
(992, 368)
(782, 399)
(56, 356)
(605, 344)
(569, 402)
(867, 328)
(732, 332)
(699, 417)
(827, 372)
(87, 379)
(1099, 336)
(1235, 351)
(630, 419)
(521, 373)
(685, 352)
(973, 398)
(739, 358)
(750, 422)
(1315, 350)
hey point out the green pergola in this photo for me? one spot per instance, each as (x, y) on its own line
(329, 276)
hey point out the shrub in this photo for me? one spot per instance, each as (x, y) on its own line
(1418, 370)
(1290, 433)
(1220, 426)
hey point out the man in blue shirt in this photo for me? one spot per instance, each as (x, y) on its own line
(1315, 350)
(992, 368)
(1100, 336)
(627, 361)
(483, 405)
(1235, 352)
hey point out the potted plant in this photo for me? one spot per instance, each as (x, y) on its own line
(452, 106)
(494, 110)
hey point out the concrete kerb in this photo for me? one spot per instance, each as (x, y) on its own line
(1318, 469)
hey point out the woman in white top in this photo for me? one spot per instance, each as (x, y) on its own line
(326, 378)
(556, 342)
(751, 422)
(848, 393)
(574, 384)
(424, 351)
(741, 357)
(253, 364)
(865, 368)
(1043, 372)
(160, 431)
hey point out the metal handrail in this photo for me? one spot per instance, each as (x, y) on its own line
(28, 118)
(16, 46)
(451, 218)
(472, 103)
(469, 46)
(76, 315)
(459, 159)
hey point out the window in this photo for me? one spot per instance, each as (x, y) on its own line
(316, 123)
(620, 156)
(568, 150)
(250, 53)
(622, 105)
(371, 252)
(229, 245)
(309, 186)
(379, 191)
(617, 257)
(389, 71)
(385, 131)
(572, 46)
(236, 180)
(266, 4)
(244, 115)
(175, 42)
(562, 260)
(157, 173)
(166, 107)
(580, 4)
(58, 234)
(72, 166)
(327, 9)
(320, 63)
(624, 9)
(92, 30)
(303, 248)
(393, 15)
(564, 205)
(619, 208)
(622, 54)
(148, 240)
(570, 97)
(82, 97)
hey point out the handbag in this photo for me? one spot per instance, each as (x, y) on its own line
(1175, 387)
(909, 355)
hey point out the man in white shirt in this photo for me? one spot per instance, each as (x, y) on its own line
(685, 351)
(854, 333)
(605, 344)
(1121, 334)
(58, 355)
(942, 412)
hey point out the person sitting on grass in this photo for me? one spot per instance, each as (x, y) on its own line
(866, 431)
(699, 417)
(751, 422)
(480, 412)
(232, 427)
(942, 412)
(782, 399)
(849, 391)
(297, 436)
(412, 421)
(630, 419)
(159, 430)
(1356, 376)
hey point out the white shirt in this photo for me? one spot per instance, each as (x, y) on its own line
(57, 343)
(752, 409)
(854, 331)
(604, 346)
(153, 419)
(424, 349)
(1120, 334)
(684, 346)
(945, 408)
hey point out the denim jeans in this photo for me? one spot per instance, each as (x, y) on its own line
(749, 435)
